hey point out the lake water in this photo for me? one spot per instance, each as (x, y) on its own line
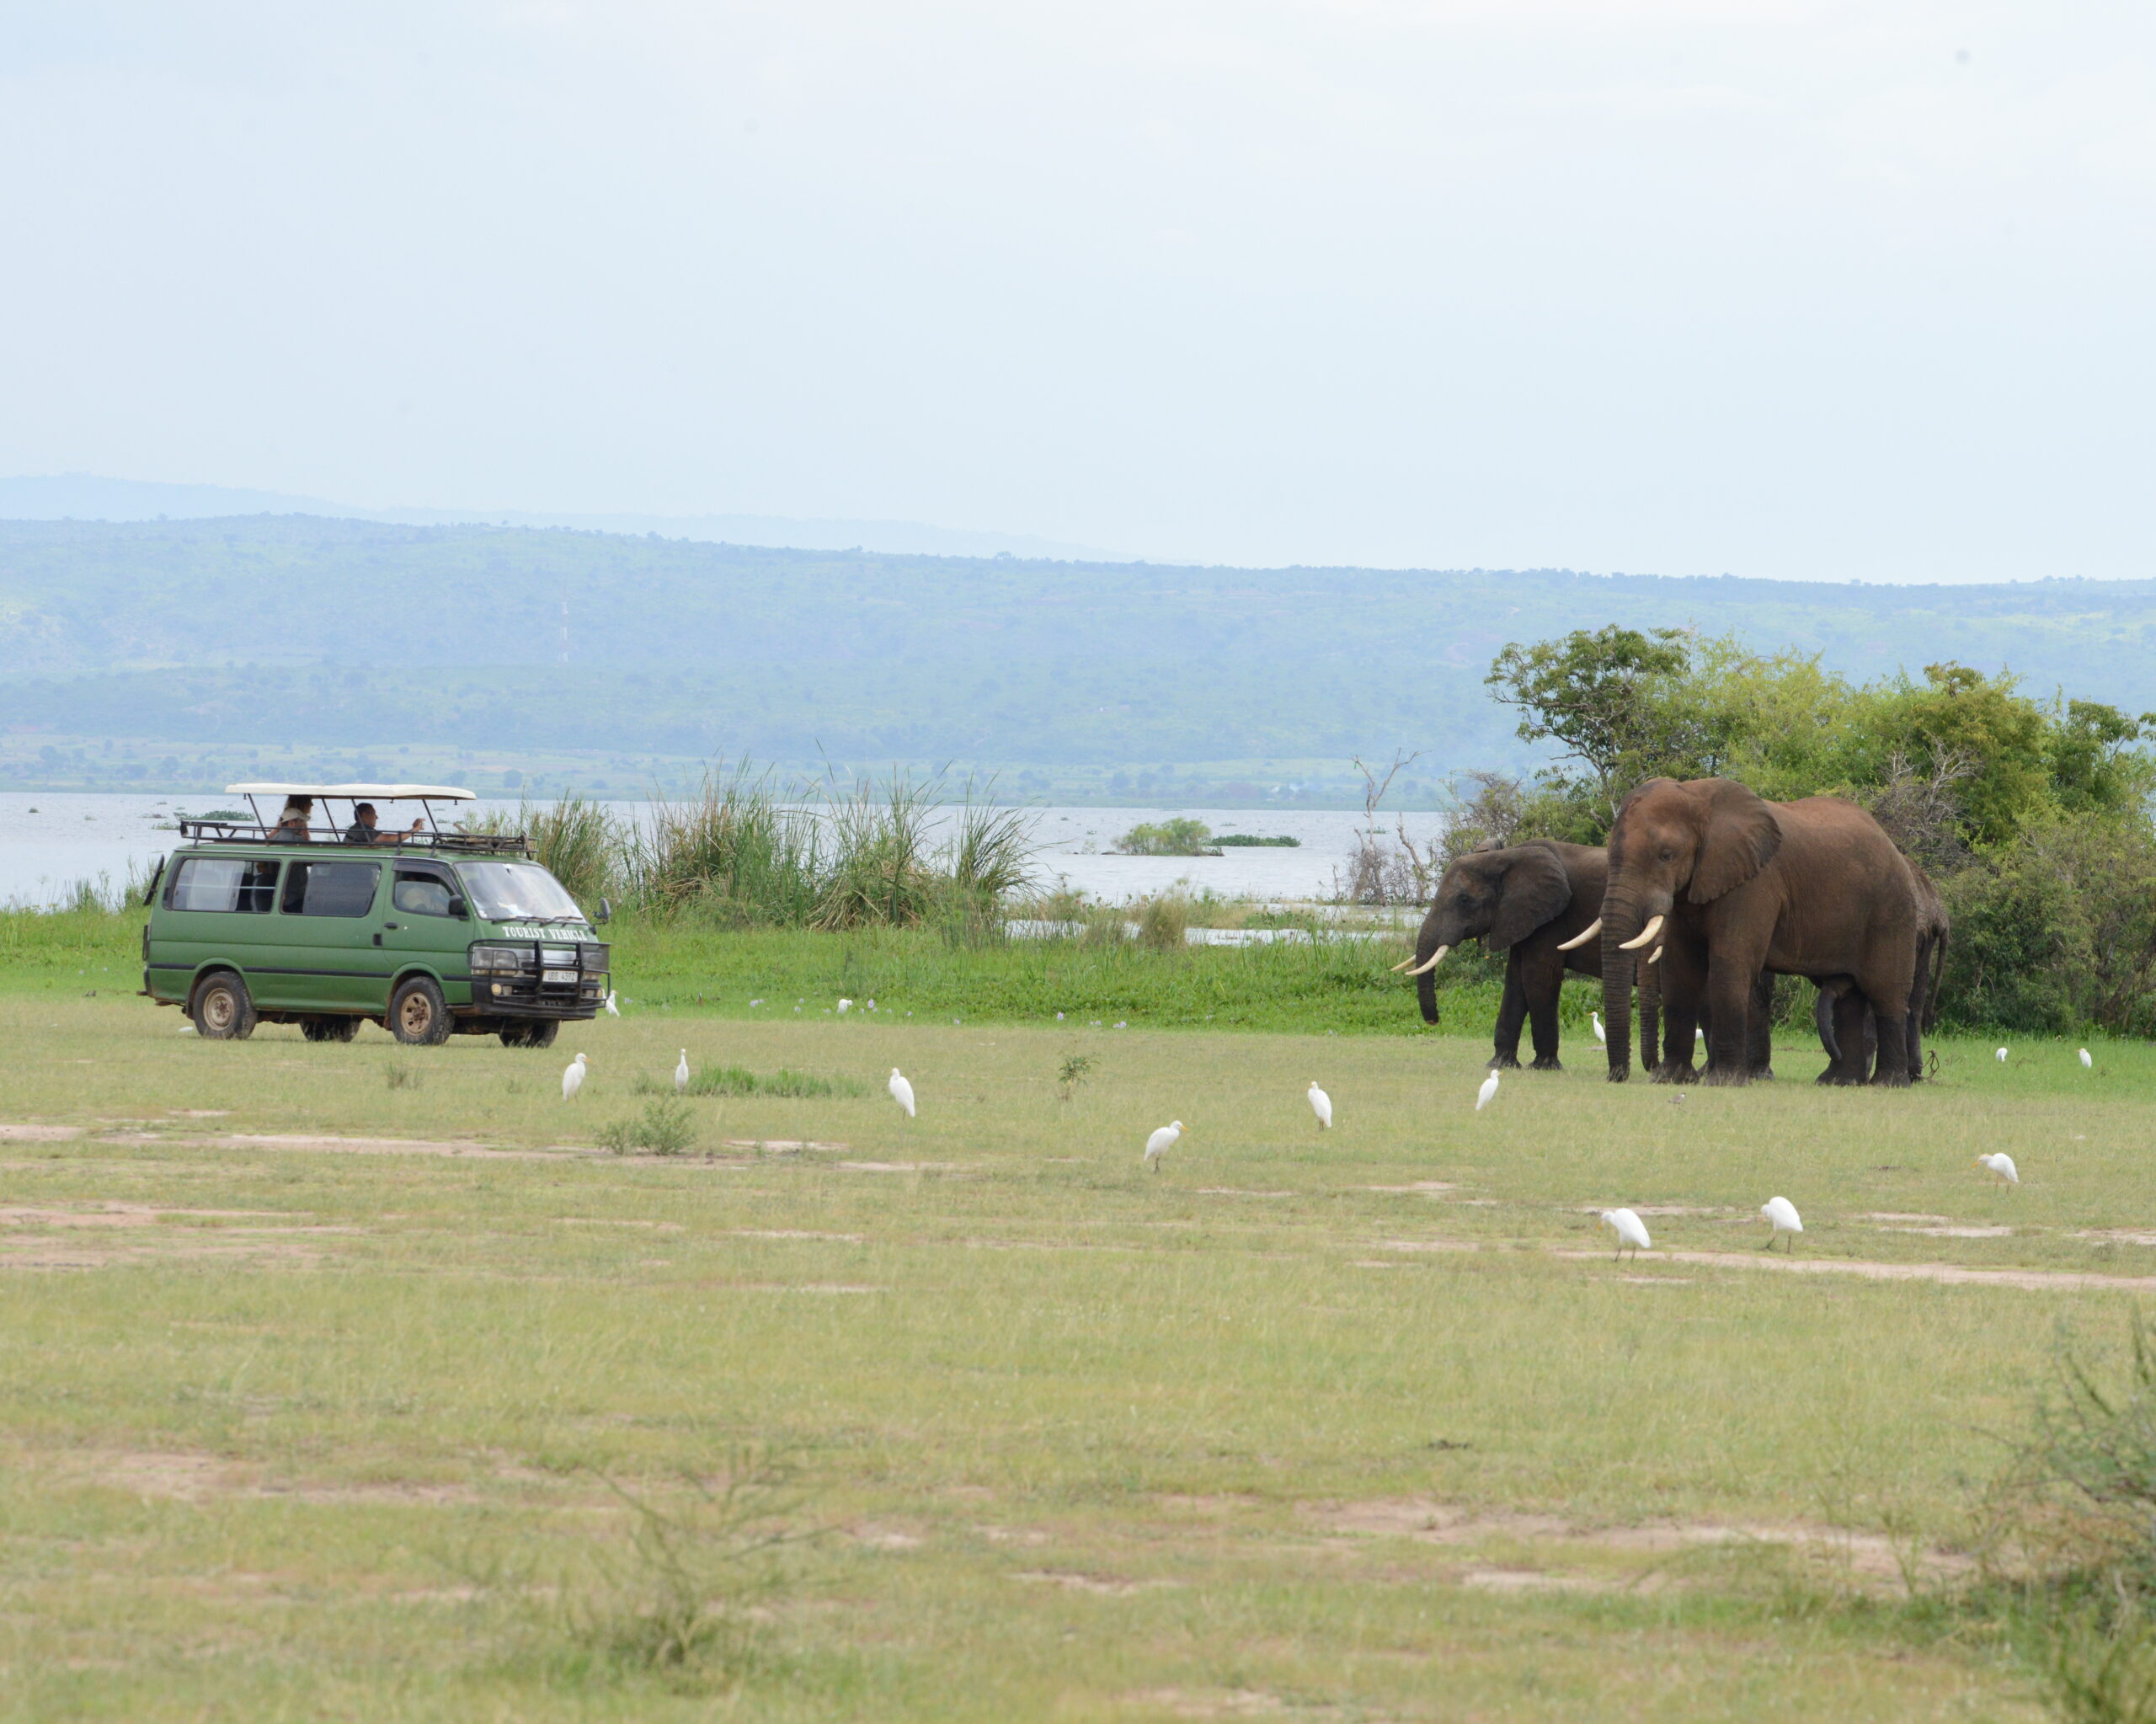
(48, 842)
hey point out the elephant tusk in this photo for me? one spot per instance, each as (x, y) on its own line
(1435, 959)
(1581, 937)
(1645, 935)
(1655, 956)
(1403, 964)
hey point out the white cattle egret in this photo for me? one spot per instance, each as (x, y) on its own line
(844, 1006)
(1601, 1034)
(612, 1010)
(1487, 1093)
(2086, 1062)
(1320, 1105)
(572, 1079)
(2001, 1056)
(1783, 1214)
(681, 1074)
(1161, 1142)
(1630, 1229)
(2002, 1164)
(902, 1091)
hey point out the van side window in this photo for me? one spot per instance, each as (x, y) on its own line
(421, 892)
(330, 888)
(222, 883)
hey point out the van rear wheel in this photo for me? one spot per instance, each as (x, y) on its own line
(540, 1032)
(419, 1016)
(222, 1010)
(329, 1029)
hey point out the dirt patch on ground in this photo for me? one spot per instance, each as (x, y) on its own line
(794, 1233)
(2034, 1280)
(784, 1145)
(1866, 1558)
(2119, 1236)
(1224, 1703)
(1229, 1191)
(616, 1221)
(349, 1146)
(1953, 1232)
(1105, 1586)
(1900, 1216)
(1425, 1245)
(118, 1215)
(1421, 1188)
(38, 1133)
(188, 1476)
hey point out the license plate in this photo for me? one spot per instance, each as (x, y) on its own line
(561, 976)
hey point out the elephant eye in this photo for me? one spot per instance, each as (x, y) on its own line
(1667, 854)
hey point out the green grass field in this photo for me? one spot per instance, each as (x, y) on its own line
(335, 1374)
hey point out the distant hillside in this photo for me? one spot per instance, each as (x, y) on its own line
(269, 630)
(87, 497)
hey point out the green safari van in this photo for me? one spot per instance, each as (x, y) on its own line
(327, 925)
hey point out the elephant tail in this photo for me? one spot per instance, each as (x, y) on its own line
(1823, 1019)
(1930, 1014)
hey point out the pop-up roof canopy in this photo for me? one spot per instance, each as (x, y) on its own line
(359, 792)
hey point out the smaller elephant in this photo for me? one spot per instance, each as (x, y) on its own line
(1838, 1002)
(1531, 902)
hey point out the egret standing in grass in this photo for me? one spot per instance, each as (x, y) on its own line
(901, 1092)
(1320, 1105)
(2086, 1062)
(1161, 1142)
(681, 1074)
(1629, 1230)
(572, 1079)
(1601, 1034)
(1782, 1213)
(844, 1006)
(1487, 1093)
(2001, 1056)
(612, 1010)
(2002, 1164)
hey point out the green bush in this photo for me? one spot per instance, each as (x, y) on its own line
(666, 1127)
(1178, 837)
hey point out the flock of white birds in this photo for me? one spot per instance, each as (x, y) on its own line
(1782, 1218)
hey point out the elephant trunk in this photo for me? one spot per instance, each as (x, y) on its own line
(1429, 953)
(1622, 923)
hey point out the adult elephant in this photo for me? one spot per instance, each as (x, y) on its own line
(1932, 929)
(1732, 884)
(1532, 902)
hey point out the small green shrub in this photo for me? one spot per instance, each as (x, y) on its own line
(1075, 1069)
(667, 1127)
(402, 1077)
(1164, 923)
(1182, 837)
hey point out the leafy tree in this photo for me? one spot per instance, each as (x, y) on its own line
(1598, 696)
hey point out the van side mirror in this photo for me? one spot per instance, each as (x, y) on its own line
(606, 911)
(457, 908)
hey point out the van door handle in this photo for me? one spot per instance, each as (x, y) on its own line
(389, 924)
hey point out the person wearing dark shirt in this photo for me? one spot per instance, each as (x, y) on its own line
(362, 829)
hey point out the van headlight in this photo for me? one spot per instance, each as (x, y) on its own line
(500, 957)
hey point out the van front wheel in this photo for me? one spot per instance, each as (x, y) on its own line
(418, 1017)
(222, 1012)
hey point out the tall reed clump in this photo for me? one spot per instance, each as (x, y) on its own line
(574, 839)
(748, 854)
(736, 853)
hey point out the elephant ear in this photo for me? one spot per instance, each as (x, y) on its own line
(1534, 890)
(1740, 837)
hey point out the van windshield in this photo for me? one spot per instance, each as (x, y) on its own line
(517, 892)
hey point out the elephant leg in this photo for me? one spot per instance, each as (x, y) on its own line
(1913, 1031)
(1852, 1063)
(1730, 981)
(1759, 1028)
(1892, 1070)
(1512, 1011)
(1542, 1016)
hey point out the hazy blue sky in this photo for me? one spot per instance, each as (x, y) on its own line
(1779, 287)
